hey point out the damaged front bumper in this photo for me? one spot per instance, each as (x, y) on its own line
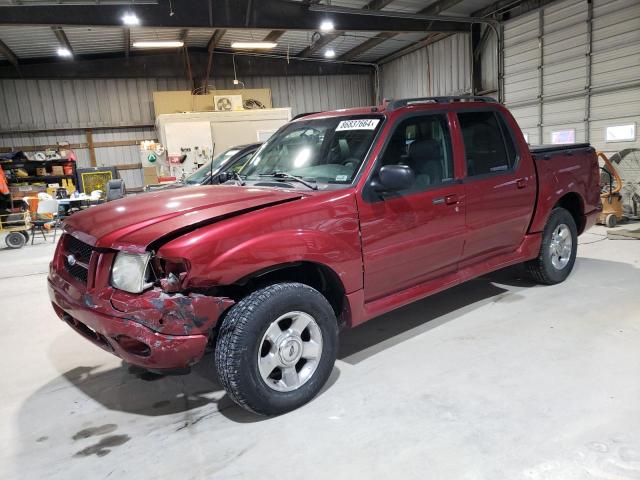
(154, 329)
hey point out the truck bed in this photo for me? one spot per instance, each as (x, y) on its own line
(563, 169)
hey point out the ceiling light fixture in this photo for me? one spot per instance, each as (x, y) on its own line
(64, 52)
(327, 26)
(254, 45)
(130, 18)
(159, 44)
(330, 53)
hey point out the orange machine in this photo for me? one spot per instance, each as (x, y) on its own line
(611, 199)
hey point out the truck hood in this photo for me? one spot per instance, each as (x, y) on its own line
(135, 222)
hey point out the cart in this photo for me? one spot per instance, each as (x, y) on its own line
(610, 196)
(16, 226)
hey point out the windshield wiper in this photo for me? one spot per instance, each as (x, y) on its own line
(288, 176)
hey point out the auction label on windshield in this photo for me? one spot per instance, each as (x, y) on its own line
(359, 124)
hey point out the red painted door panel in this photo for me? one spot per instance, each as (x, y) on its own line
(409, 240)
(413, 237)
(500, 186)
(498, 213)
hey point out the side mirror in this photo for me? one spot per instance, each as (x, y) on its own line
(394, 178)
(223, 177)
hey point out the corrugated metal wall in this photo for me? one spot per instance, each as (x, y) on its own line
(28, 105)
(441, 68)
(573, 65)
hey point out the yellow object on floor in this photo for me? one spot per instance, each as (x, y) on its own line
(611, 199)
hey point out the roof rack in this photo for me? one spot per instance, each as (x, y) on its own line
(394, 104)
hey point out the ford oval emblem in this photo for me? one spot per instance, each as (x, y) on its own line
(71, 260)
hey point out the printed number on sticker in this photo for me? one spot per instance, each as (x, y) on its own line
(359, 124)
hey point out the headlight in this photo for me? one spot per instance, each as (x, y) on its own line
(129, 272)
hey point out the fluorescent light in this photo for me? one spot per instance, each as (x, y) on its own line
(330, 53)
(254, 45)
(159, 44)
(327, 26)
(64, 52)
(130, 18)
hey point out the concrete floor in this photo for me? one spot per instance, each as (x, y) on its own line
(495, 379)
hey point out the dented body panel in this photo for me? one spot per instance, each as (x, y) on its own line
(173, 327)
(384, 253)
(134, 223)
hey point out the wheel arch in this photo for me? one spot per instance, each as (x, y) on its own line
(316, 275)
(574, 204)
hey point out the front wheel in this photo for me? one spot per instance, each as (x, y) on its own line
(558, 250)
(276, 348)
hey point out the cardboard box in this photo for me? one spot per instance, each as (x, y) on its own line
(149, 176)
(182, 100)
(41, 171)
(57, 170)
(20, 191)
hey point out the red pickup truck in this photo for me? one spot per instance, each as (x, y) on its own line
(339, 217)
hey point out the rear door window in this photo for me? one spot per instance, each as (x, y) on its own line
(488, 146)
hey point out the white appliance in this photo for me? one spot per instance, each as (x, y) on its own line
(202, 135)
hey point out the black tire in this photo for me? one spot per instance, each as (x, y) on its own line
(25, 234)
(541, 269)
(240, 339)
(15, 240)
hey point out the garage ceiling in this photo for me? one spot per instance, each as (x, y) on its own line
(33, 42)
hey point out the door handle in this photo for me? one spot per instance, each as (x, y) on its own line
(521, 183)
(446, 200)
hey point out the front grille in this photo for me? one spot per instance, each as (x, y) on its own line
(77, 271)
(78, 248)
(82, 254)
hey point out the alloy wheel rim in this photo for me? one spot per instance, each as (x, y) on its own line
(561, 246)
(290, 351)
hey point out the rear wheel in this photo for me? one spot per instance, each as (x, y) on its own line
(15, 240)
(558, 250)
(276, 348)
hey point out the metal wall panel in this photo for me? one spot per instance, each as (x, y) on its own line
(27, 105)
(312, 93)
(39, 104)
(522, 58)
(590, 65)
(441, 68)
(565, 46)
(488, 64)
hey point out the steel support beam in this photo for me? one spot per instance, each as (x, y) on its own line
(433, 9)
(212, 44)
(327, 38)
(215, 39)
(263, 14)
(8, 53)
(274, 35)
(127, 41)
(171, 64)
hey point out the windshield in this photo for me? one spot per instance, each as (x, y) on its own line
(199, 176)
(327, 150)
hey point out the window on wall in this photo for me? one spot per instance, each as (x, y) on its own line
(563, 136)
(488, 145)
(621, 133)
